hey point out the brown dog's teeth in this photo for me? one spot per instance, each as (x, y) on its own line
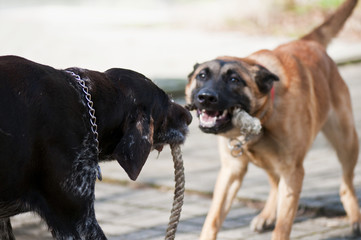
(224, 114)
(206, 120)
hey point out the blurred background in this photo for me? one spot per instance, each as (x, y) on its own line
(159, 38)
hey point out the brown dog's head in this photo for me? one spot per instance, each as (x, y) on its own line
(146, 119)
(217, 87)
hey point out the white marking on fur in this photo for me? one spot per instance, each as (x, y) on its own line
(131, 142)
(82, 177)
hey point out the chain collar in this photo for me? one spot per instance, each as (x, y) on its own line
(235, 145)
(93, 119)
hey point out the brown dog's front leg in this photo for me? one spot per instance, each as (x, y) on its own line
(267, 218)
(227, 185)
(289, 191)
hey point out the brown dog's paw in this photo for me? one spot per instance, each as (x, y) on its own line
(261, 224)
(356, 229)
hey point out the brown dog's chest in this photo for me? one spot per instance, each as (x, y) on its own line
(263, 152)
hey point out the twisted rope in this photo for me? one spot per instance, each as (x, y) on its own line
(178, 192)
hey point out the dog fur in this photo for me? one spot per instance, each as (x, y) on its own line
(296, 91)
(48, 152)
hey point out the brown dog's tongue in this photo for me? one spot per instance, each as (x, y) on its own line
(211, 113)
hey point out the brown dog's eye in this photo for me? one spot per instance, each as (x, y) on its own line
(202, 75)
(234, 80)
(237, 80)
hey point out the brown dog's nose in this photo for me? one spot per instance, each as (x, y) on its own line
(207, 97)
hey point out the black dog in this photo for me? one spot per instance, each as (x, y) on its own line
(48, 146)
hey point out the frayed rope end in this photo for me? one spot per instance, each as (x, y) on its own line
(248, 125)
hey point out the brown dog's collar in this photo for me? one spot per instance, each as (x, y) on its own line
(273, 93)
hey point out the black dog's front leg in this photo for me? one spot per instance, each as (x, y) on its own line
(86, 228)
(94, 231)
(89, 228)
(6, 231)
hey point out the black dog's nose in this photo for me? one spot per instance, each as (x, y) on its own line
(207, 97)
(188, 117)
(180, 114)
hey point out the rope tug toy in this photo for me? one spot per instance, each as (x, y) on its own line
(249, 126)
(178, 192)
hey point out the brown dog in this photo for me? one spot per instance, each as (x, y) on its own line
(295, 91)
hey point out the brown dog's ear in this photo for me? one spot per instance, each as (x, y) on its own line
(264, 79)
(134, 147)
(191, 84)
(194, 68)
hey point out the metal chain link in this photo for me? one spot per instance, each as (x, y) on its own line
(93, 119)
(235, 145)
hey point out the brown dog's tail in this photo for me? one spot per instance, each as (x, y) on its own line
(324, 33)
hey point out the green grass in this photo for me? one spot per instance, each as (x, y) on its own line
(302, 9)
(326, 4)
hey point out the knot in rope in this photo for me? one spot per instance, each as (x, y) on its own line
(249, 127)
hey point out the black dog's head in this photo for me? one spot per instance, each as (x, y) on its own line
(217, 87)
(149, 120)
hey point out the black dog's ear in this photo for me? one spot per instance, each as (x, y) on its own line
(134, 147)
(264, 79)
(194, 69)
